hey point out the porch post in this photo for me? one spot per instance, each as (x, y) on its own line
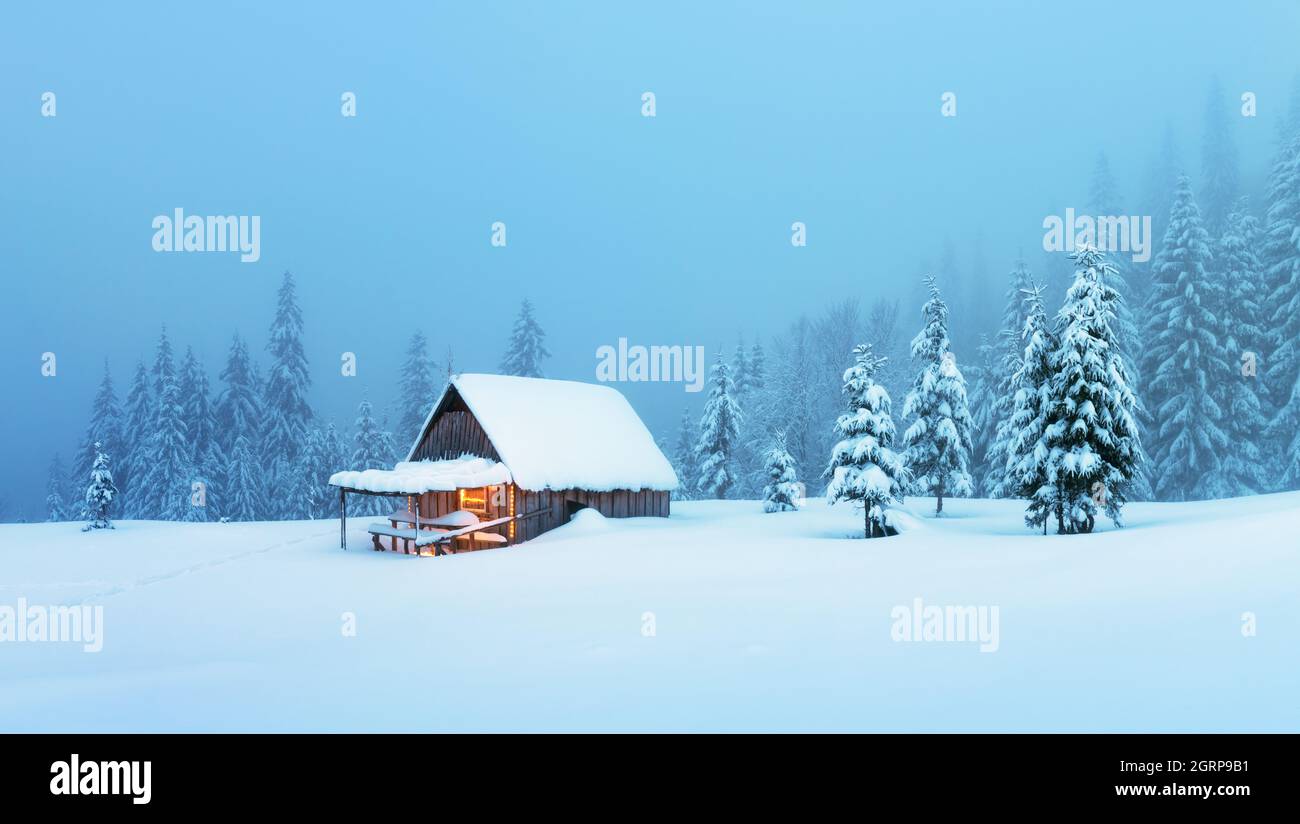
(417, 526)
(343, 518)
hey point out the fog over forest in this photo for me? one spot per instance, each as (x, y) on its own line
(776, 181)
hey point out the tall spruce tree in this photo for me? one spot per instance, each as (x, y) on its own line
(527, 348)
(981, 402)
(323, 457)
(1007, 360)
(167, 469)
(1244, 468)
(719, 434)
(137, 429)
(1186, 356)
(1091, 440)
(1219, 174)
(238, 409)
(372, 449)
(416, 388)
(1028, 473)
(245, 498)
(757, 367)
(286, 411)
(864, 467)
(684, 461)
(1281, 259)
(105, 427)
(937, 442)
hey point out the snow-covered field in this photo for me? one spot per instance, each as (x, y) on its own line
(760, 622)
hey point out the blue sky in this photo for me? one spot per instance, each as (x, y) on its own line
(666, 230)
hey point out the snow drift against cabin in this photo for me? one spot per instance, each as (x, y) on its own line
(555, 434)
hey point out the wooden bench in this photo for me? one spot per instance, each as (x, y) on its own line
(405, 535)
(442, 540)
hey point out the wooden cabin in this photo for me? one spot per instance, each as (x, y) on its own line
(529, 451)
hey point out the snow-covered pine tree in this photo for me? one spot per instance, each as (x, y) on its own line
(105, 427)
(57, 508)
(1159, 184)
(1244, 468)
(196, 403)
(168, 472)
(1027, 472)
(684, 462)
(1188, 364)
(527, 348)
(285, 408)
(937, 443)
(740, 370)
(1281, 259)
(1007, 360)
(757, 367)
(748, 455)
(205, 455)
(372, 449)
(136, 431)
(1104, 199)
(238, 408)
(983, 379)
(100, 494)
(782, 491)
(1091, 440)
(416, 388)
(245, 499)
(719, 434)
(322, 458)
(864, 468)
(1219, 175)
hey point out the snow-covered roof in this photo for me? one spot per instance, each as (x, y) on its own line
(418, 477)
(555, 434)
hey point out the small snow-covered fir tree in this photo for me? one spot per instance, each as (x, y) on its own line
(684, 461)
(57, 508)
(1006, 361)
(1244, 470)
(719, 434)
(782, 492)
(416, 389)
(527, 347)
(864, 468)
(1185, 347)
(101, 493)
(937, 442)
(1091, 441)
(245, 498)
(1028, 473)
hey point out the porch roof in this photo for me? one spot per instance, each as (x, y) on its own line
(418, 477)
